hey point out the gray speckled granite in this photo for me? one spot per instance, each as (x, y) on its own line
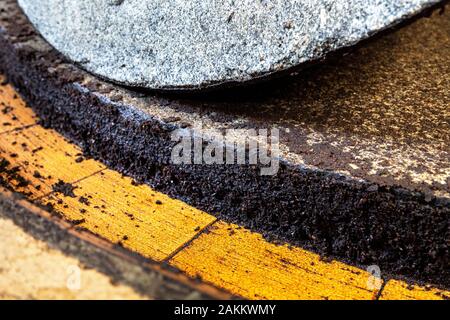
(168, 44)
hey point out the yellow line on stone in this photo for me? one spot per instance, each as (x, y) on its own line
(399, 290)
(13, 112)
(249, 266)
(136, 217)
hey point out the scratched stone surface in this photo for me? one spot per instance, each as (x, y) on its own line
(194, 44)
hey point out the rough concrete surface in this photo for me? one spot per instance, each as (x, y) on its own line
(365, 163)
(162, 44)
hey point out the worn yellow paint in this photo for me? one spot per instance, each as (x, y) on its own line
(137, 217)
(43, 158)
(247, 265)
(13, 112)
(158, 227)
(399, 290)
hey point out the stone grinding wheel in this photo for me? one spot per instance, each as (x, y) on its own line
(175, 44)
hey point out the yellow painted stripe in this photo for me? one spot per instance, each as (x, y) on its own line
(137, 217)
(13, 113)
(247, 265)
(43, 158)
(399, 290)
(157, 227)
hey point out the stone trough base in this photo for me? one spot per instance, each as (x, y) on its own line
(359, 217)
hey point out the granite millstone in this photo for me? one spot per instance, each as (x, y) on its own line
(160, 44)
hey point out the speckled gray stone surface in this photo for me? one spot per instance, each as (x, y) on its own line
(175, 44)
